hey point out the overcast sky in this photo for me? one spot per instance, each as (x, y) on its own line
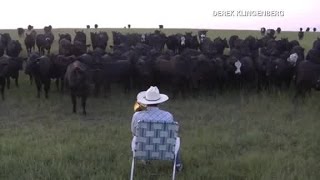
(149, 14)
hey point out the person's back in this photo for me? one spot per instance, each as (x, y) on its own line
(152, 113)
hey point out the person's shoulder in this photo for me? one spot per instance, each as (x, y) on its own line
(168, 114)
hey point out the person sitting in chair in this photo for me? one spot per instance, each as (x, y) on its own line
(151, 99)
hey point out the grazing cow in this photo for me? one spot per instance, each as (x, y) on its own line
(4, 64)
(77, 79)
(20, 32)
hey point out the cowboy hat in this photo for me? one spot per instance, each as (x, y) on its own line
(151, 96)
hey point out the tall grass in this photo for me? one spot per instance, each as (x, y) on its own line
(229, 136)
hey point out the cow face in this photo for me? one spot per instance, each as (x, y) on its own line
(202, 37)
(238, 65)
(182, 41)
(143, 38)
(292, 59)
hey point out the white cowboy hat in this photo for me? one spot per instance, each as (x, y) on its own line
(151, 96)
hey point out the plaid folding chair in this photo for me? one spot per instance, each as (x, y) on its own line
(155, 141)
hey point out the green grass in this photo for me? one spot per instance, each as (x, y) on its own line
(229, 136)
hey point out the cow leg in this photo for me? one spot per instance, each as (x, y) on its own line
(83, 102)
(2, 84)
(58, 84)
(8, 82)
(47, 88)
(31, 79)
(39, 86)
(62, 85)
(96, 89)
(17, 81)
(74, 101)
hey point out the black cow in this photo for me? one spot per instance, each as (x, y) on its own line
(2, 49)
(278, 30)
(232, 41)
(314, 29)
(80, 36)
(32, 58)
(43, 43)
(40, 68)
(77, 80)
(263, 31)
(308, 29)
(30, 43)
(271, 33)
(307, 77)
(14, 66)
(65, 47)
(14, 48)
(202, 34)
(300, 35)
(5, 38)
(99, 40)
(4, 64)
(65, 36)
(20, 32)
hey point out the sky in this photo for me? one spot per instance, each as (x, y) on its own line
(195, 14)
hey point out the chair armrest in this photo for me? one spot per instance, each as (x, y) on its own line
(133, 143)
(177, 147)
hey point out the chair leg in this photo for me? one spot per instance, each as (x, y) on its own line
(174, 168)
(132, 169)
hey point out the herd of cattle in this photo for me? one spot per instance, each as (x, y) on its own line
(182, 62)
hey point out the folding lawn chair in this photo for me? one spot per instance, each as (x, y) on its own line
(155, 141)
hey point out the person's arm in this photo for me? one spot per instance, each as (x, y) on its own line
(134, 123)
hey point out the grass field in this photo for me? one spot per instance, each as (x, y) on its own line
(229, 136)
